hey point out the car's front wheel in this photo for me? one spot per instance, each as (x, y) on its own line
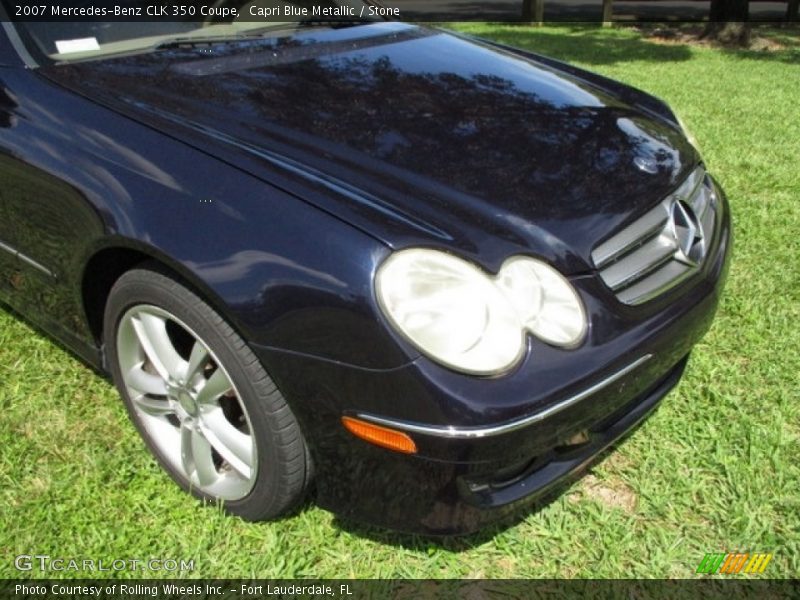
(201, 400)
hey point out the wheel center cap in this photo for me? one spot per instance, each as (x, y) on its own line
(187, 403)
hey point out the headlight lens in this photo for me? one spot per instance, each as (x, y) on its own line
(470, 321)
(546, 303)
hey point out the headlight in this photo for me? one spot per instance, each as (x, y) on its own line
(468, 320)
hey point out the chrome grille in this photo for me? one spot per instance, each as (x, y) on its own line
(663, 247)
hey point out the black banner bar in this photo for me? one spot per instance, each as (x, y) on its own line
(509, 11)
(344, 589)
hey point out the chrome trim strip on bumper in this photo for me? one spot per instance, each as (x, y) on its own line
(508, 426)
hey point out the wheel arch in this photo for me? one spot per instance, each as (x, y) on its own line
(107, 264)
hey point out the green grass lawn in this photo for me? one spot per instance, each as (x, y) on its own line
(716, 469)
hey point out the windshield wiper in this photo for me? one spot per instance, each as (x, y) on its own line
(193, 41)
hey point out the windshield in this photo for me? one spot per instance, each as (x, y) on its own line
(214, 22)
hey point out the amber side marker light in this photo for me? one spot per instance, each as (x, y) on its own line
(380, 436)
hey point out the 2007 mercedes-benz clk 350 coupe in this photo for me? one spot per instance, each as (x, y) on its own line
(424, 275)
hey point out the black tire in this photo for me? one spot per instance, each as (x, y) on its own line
(283, 469)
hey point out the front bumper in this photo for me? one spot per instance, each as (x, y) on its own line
(458, 481)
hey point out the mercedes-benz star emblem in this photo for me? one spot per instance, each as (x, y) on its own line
(688, 234)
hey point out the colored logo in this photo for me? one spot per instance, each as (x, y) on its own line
(733, 563)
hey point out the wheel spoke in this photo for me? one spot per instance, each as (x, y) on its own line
(155, 407)
(216, 385)
(196, 456)
(144, 382)
(152, 333)
(231, 444)
(197, 361)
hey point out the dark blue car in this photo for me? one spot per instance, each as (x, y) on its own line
(420, 276)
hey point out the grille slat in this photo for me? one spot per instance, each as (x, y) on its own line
(701, 201)
(663, 279)
(648, 226)
(649, 256)
(637, 264)
(708, 219)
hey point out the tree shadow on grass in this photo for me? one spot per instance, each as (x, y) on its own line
(788, 55)
(769, 42)
(650, 42)
(590, 45)
(764, 47)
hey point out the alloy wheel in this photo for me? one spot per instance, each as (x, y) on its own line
(186, 403)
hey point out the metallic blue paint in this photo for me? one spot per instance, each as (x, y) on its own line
(275, 175)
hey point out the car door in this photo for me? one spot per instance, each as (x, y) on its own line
(45, 218)
(8, 259)
(9, 264)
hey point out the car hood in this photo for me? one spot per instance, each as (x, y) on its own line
(414, 135)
